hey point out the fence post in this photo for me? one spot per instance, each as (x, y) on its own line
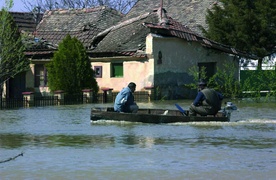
(107, 94)
(150, 90)
(88, 93)
(60, 97)
(1, 100)
(28, 99)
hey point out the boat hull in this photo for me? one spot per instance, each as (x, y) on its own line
(152, 116)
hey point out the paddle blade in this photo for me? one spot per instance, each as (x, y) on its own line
(180, 109)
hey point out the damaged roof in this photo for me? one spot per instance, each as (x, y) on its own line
(188, 12)
(130, 36)
(83, 24)
(105, 34)
(26, 21)
(126, 36)
(55, 37)
(100, 17)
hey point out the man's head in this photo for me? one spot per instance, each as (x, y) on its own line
(202, 84)
(132, 86)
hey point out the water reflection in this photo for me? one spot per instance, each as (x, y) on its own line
(10, 141)
(248, 143)
(19, 140)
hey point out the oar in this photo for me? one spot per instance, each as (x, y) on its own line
(181, 110)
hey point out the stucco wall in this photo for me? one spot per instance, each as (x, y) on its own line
(178, 56)
(134, 71)
(30, 82)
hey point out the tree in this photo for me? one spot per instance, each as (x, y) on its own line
(12, 59)
(247, 25)
(70, 69)
(120, 5)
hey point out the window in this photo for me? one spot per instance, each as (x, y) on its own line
(40, 75)
(98, 71)
(117, 70)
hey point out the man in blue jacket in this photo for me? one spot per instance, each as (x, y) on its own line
(124, 101)
(207, 101)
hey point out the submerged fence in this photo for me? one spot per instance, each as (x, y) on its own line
(11, 103)
(30, 99)
(59, 98)
(15, 103)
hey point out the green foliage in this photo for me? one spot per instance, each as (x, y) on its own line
(12, 59)
(254, 84)
(246, 25)
(201, 74)
(223, 80)
(70, 69)
(259, 84)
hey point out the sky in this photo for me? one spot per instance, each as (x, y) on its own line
(18, 6)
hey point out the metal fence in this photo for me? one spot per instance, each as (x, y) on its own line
(74, 99)
(45, 101)
(11, 103)
(15, 103)
(139, 96)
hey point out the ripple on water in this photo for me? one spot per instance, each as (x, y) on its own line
(61, 143)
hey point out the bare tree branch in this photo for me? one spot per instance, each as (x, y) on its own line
(12, 158)
(121, 5)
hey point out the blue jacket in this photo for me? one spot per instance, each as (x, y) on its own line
(123, 100)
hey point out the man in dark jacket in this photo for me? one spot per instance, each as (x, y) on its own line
(207, 101)
(124, 101)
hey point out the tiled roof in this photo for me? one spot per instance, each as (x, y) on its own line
(83, 24)
(188, 12)
(32, 43)
(79, 19)
(174, 28)
(124, 38)
(42, 40)
(42, 53)
(130, 35)
(26, 21)
(127, 36)
(55, 37)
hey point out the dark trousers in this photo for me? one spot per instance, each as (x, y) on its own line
(202, 110)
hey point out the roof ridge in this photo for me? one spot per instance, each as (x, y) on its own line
(76, 11)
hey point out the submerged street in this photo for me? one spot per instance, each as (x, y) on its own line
(61, 142)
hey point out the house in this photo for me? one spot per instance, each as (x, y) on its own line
(55, 25)
(149, 48)
(153, 50)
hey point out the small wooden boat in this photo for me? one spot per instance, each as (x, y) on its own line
(156, 116)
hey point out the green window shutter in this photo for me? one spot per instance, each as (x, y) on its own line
(117, 70)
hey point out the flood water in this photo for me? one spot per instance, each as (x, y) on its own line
(62, 143)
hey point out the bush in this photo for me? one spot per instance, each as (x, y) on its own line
(70, 68)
